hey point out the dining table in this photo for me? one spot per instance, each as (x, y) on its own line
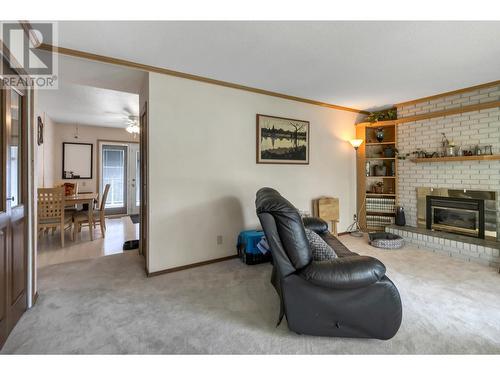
(84, 198)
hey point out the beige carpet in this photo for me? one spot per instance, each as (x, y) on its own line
(107, 305)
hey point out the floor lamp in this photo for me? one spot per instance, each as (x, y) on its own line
(354, 229)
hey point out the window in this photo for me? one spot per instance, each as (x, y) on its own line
(114, 173)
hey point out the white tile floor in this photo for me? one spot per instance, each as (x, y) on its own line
(118, 230)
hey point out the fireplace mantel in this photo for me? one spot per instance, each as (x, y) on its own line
(455, 158)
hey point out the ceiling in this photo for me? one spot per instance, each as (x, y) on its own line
(85, 105)
(92, 93)
(359, 64)
(107, 76)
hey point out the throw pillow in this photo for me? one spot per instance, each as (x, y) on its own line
(320, 249)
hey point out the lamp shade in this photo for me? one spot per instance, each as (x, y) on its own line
(356, 143)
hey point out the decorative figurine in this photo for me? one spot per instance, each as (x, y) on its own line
(379, 134)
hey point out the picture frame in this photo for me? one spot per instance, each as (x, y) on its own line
(281, 140)
(39, 138)
(77, 160)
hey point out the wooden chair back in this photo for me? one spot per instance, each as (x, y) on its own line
(104, 197)
(50, 203)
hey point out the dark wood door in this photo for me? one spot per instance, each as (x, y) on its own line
(13, 203)
(144, 207)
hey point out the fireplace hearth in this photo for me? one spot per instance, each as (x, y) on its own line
(455, 215)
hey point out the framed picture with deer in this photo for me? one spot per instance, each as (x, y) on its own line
(282, 140)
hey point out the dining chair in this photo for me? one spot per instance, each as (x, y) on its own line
(81, 218)
(50, 209)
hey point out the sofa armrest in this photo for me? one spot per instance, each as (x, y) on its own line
(315, 224)
(344, 273)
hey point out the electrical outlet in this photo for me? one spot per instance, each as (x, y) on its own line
(219, 239)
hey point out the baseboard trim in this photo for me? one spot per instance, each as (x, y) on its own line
(192, 265)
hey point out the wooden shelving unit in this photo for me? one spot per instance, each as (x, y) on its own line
(374, 209)
(455, 158)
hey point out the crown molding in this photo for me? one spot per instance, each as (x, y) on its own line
(155, 69)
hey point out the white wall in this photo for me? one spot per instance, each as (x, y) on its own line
(203, 174)
(86, 134)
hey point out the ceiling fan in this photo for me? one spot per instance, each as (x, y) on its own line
(132, 121)
(133, 125)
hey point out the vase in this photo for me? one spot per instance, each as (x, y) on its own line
(400, 216)
(379, 134)
(389, 152)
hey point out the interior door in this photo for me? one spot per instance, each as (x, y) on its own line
(134, 179)
(144, 147)
(13, 206)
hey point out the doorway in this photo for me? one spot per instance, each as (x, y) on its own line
(120, 167)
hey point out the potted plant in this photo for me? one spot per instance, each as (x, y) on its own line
(385, 115)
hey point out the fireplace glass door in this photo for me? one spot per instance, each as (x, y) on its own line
(455, 215)
(456, 220)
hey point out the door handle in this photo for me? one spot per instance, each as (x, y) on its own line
(10, 199)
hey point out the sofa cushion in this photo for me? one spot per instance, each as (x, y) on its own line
(320, 249)
(340, 249)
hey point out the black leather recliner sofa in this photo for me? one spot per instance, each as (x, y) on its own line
(349, 296)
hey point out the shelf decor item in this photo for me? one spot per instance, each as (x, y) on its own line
(380, 170)
(389, 152)
(379, 134)
(378, 187)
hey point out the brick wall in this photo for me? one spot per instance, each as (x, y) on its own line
(488, 94)
(465, 129)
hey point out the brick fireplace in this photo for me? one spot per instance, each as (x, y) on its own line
(479, 214)
(466, 130)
